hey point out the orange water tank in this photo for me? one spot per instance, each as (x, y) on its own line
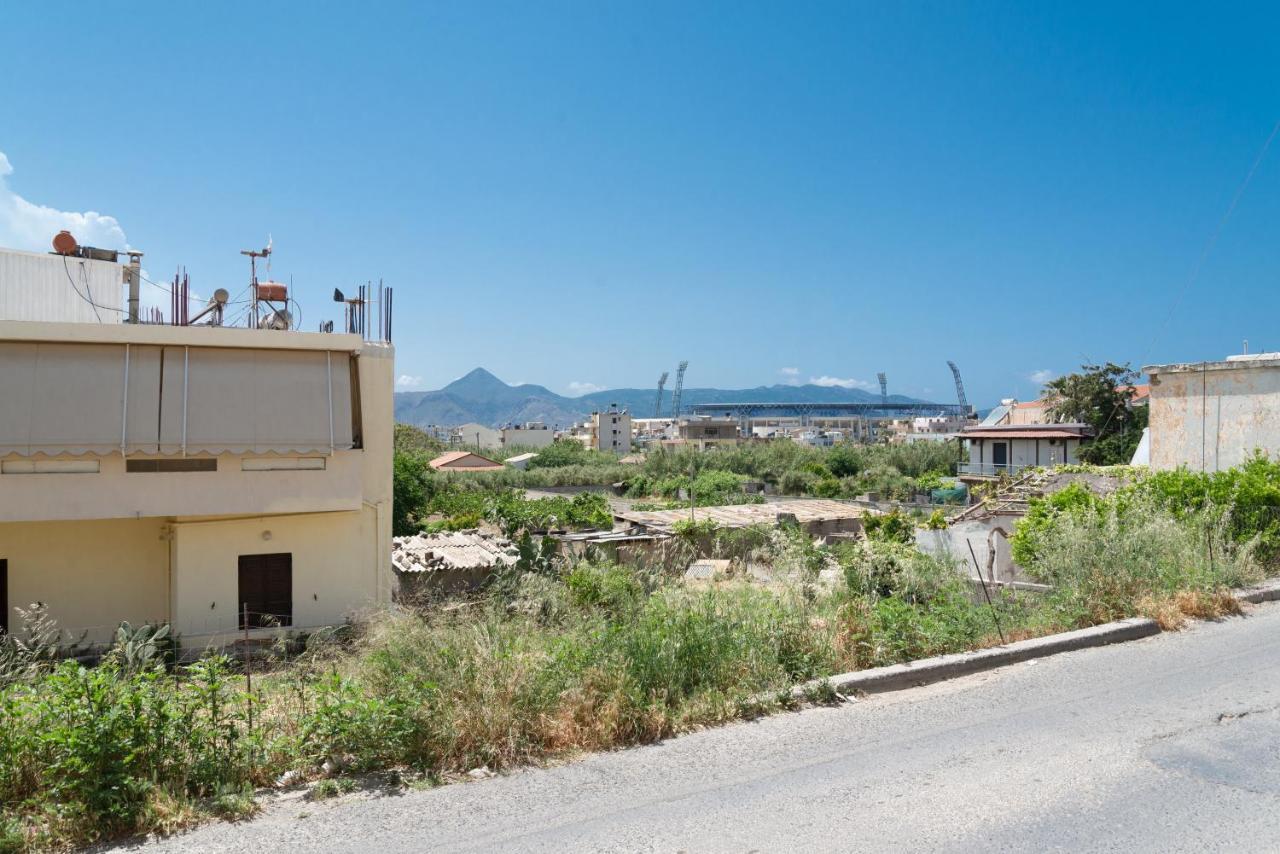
(64, 243)
(273, 291)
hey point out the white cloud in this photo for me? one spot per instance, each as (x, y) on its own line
(790, 372)
(25, 225)
(843, 383)
(1041, 376)
(580, 388)
(404, 382)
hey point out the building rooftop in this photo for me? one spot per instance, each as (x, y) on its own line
(743, 515)
(450, 551)
(178, 336)
(451, 460)
(1028, 431)
(1231, 363)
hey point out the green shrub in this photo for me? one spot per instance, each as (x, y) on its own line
(892, 527)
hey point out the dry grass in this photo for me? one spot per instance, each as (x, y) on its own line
(1172, 612)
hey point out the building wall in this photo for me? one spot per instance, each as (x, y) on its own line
(101, 548)
(523, 437)
(39, 286)
(1215, 418)
(91, 574)
(603, 437)
(335, 569)
(113, 492)
(1022, 452)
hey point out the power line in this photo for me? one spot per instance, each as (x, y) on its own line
(1213, 238)
(89, 299)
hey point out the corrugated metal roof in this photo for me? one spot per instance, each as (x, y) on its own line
(743, 515)
(451, 550)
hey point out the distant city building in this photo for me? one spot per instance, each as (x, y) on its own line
(611, 430)
(704, 432)
(475, 436)
(533, 434)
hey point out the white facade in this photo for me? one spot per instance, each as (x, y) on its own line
(533, 434)
(994, 451)
(41, 286)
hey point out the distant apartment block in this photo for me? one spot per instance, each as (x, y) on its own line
(610, 430)
(533, 434)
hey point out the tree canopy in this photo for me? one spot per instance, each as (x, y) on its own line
(1100, 396)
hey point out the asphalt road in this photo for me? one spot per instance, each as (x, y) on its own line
(1165, 744)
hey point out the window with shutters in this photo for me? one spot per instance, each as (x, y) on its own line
(266, 590)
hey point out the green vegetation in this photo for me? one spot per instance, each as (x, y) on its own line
(1099, 396)
(555, 657)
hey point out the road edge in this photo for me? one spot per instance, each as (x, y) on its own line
(924, 671)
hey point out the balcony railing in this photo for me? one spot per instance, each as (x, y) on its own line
(990, 469)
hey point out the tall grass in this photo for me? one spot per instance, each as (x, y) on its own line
(1132, 555)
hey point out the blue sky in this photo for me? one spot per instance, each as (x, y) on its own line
(582, 194)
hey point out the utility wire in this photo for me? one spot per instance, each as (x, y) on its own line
(1204, 256)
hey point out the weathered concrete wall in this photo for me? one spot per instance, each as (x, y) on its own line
(1212, 417)
(954, 541)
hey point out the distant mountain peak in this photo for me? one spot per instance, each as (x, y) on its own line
(478, 381)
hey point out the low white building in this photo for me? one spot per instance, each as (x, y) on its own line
(1010, 448)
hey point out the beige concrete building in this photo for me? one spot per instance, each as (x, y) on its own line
(533, 434)
(705, 432)
(1210, 416)
(176, 474)
(611, 431)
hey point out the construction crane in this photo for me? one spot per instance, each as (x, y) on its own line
(955, 372)
(675, 396)
(657, 404)
(884, 390)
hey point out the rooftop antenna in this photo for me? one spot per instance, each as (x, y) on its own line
(657, 404)
(254, 255)
(884, 390)
(675, 397)
(955, 372)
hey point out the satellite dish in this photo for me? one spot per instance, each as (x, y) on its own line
(220, 297)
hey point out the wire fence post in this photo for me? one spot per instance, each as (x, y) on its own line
(248, 664)
(978, 569)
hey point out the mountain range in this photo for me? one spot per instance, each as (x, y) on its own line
(481, 398)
